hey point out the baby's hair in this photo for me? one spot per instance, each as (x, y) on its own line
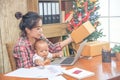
(39, 41)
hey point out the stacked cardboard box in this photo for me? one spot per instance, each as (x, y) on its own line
(95, 48)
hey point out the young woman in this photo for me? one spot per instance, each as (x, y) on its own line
(31, 30)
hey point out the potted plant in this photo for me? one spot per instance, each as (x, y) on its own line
(116, 51)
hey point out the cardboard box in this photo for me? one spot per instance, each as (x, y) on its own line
(82, 32)
(95, 48)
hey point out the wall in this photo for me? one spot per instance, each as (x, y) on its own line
(9, 30)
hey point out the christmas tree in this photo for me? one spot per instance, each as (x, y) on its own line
(84, 10)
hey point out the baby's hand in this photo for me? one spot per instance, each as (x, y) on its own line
(39, 63)
(47, 61)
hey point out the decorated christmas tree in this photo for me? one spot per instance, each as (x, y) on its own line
(83, 11)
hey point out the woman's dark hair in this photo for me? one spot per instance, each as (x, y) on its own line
(29, 20)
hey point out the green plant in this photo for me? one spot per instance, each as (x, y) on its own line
(116, 48)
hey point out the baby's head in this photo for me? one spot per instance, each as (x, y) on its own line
(41, 48)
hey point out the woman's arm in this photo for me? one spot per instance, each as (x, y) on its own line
(58, 54)
(66, 41)
(54, 48)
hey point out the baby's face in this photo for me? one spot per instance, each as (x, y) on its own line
(42, 49)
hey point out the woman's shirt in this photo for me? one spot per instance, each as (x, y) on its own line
(23, 52)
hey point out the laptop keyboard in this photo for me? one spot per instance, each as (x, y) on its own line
(68, 60)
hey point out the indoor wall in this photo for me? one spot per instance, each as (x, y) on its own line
(9, 30)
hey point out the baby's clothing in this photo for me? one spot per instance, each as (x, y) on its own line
(36, 56)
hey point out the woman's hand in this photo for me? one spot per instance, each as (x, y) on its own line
(59, 54)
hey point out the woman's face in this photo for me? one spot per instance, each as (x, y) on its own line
(35, 32)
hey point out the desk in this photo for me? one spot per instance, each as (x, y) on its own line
(103, 71)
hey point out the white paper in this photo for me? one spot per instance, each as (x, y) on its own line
(36, 72)
(21, 72)
(57, 78)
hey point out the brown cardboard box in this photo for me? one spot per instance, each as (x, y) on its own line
(82, 32)
(94, 48)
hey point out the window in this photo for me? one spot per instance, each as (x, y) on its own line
(110, 20)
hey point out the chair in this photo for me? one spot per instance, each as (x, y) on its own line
(9, 47)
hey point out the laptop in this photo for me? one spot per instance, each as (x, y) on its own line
(69, 60)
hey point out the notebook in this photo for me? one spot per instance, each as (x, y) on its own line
(69, 60)
(78, 73)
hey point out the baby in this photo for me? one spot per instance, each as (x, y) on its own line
(43, 56)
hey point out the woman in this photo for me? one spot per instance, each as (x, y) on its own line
(31, 30)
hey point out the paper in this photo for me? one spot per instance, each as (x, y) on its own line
(36, 72)
(57, 78)
(22, 72)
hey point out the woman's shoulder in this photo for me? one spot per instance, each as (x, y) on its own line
(21, 45)
(22, 41)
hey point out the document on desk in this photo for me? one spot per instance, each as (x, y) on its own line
(78, 73)
(36, 72)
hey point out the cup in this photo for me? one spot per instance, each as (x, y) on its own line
(106, 55)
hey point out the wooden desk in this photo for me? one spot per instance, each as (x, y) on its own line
(103, 71)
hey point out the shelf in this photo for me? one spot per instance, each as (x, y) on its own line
(54, 30)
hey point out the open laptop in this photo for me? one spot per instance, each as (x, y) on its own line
(69, 60)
